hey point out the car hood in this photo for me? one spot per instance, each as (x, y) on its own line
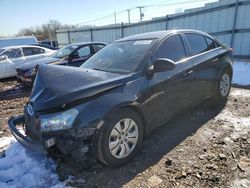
(56, 86)
(32, 64)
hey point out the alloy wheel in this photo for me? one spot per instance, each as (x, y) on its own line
(224, 84)
(123, 138)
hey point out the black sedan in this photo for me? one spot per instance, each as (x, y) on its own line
(70, 55)
(120, 94)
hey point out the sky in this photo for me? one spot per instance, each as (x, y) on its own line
(18, 14)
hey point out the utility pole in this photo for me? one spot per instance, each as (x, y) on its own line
(51, 44)
(128, 16)
(141, 14)
(115, 17)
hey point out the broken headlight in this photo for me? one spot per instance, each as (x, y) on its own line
(58, 121)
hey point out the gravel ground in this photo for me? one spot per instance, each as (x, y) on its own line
(208, 146)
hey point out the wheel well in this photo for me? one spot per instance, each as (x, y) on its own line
(226, 67)
(138, 111)
(229, 68)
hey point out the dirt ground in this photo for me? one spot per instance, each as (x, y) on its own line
(11, 104)
(208, 146)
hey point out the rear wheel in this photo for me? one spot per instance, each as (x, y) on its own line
(223, 84)
(120, 137)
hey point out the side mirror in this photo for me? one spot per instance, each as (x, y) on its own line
(3, 57)
(161, 65)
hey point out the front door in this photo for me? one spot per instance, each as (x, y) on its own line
(170, 91)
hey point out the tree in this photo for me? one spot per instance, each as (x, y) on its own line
(44, 31)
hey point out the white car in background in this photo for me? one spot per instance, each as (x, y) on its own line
(13, 56)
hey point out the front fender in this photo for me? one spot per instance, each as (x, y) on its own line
(93, 111)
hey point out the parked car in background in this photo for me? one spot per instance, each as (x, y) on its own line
(124, 91)
(13, 56)
(70, 55)
(17, 41)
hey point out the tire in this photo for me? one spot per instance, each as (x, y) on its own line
(120, 137)
(223, 85)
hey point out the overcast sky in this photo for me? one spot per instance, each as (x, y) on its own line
(18, 14)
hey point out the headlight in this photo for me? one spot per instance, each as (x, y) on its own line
(58, 121)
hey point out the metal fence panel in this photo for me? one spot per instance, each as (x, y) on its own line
(242, 44)
(62, 38)
(209, 22)
(80, 36)
(145, 27)
(107, 35)
(224, 39)
(243, 17)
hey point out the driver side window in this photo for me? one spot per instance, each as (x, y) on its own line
(172, 48)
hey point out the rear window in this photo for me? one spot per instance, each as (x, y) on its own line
(197, 43)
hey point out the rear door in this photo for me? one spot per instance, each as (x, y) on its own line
(32, 53)
(171, 91)
(203, 52)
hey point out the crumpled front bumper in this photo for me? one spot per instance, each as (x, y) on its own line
(38, 146)
(75, 142)
(26, 81)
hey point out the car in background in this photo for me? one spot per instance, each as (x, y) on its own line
(17, 41)
(13, 56)
(107, 106)
(70, 55)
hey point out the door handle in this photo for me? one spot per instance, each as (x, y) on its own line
(188, 72)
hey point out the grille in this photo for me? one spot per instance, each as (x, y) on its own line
(32, 126)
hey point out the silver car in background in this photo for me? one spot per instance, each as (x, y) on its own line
(13, 56)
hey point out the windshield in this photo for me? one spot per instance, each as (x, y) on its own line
(64, 52)
(12, 53)
(119, 57)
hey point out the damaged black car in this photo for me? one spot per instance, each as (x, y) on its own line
(105, 108)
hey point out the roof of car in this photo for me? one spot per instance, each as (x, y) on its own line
(86, 43)
(20, 46)
(76, 44)
(159, 34)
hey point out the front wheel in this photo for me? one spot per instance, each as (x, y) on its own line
(120, 137)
